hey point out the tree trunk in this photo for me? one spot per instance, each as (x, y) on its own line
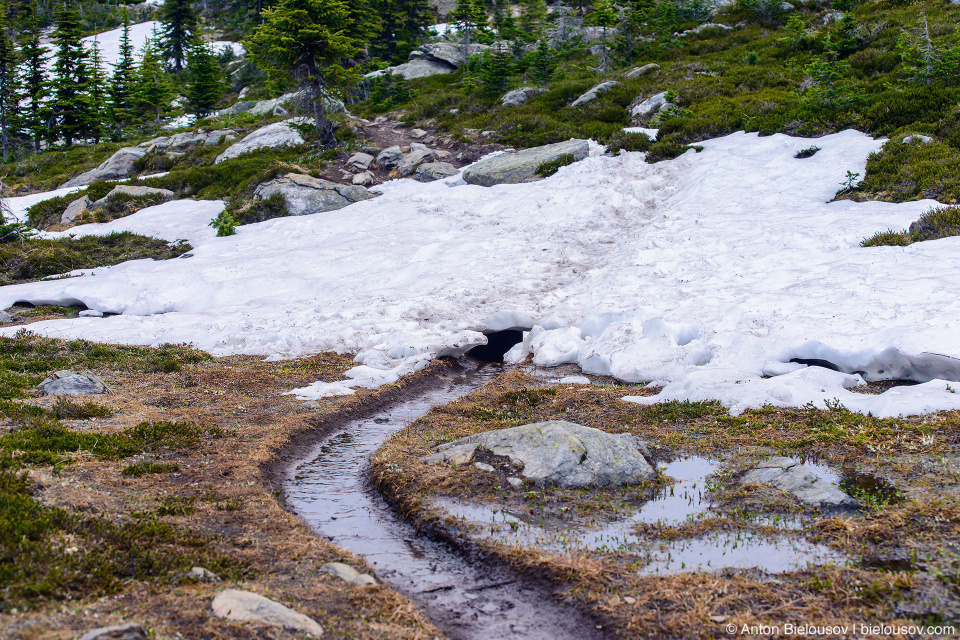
(324, 127)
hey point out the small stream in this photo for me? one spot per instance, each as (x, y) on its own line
(330, 490)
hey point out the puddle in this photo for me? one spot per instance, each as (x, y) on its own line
(860, 485)
(329, 489)
(683, 502)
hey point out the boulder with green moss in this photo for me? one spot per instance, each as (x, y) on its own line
(522, 166)
(305, 194)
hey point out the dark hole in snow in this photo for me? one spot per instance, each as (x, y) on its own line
(23, 304)
(806, 153)
(816, 362)
(498, 343)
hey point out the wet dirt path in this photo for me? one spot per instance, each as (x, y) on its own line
(329, 488)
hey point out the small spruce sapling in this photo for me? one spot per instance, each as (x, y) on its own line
(224, 224)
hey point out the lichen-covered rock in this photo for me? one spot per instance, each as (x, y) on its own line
(513, 168)
(520, 96)
(278, 134)
(119, 165)
(305, 194)
(636, 72)
(128, 631)
(650, 106)
(72, 383)
(790, 476)
(131, 191)
(595, 93)
(559, 453)
(244, 606)
(348, 574)
(431, 171)
(414, 159)
(360, 160)
(75, 209)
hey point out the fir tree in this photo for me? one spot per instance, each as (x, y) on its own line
(314, 42)
(403, 25)
(471, 18)
(496, 70)
(123, 79)
(533, 20)
(70, 77)
(204, 86)
(604, 15)
(9, 94)
(542, 64)
(96, 111)
(180, 27)
(152, 91)
(503, 20)
(33, 77)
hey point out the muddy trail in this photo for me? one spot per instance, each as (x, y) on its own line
(329, 488)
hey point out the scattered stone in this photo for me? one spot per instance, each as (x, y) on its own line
(128, 631)
(520, 96)
(559, 452)
(348, 574)
(516, 483)
(390, 157)
(831, 17)
(430, 171)
(119, 165)
(575, 380)
(278, 134)
(360, 160)
(199, 574)
(238, 107)
(417, 133)
(595, 93)
(420, 69)
(636, 72)
(364, 179)
(792, 477)
(134, 192)
(72, 383)
(75, 209)
(418, 146)
(650, 106)
(306, 194)
(91, 313)
(5, 317)
(429, 139)
(454, 112)
(513, 168)
(917, 138)
(244, 606)
(413, 160)
(371, 150)
(442, 154)
(704, 27)
(483, 466)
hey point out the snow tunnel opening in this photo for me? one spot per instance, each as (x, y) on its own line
(871, 386)
(498, 343)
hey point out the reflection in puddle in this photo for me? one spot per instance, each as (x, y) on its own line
(683, 502)
(858, 484)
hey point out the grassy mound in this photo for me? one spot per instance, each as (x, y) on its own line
(939, 222)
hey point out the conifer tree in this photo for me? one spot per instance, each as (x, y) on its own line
(314, 42)
(152, 91)
(533, 20)
(180, 28)
(403, 25)
(496, 70)
(604, 15)
(123, 80)
(33, 77)
(70, 77)
(503, 20)
(96, 111)
(471, 19)
(9, 94)
(204, 86)
(543, 64)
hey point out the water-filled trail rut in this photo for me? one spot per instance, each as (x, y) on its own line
(329, 488)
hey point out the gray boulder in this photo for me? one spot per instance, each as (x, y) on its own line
(513, 168)
(703, 27)
(649, 107)
(306, 194)
(364, 179)
(199, 574)
(119, 165)
(348, 574)
(594, 93)
(134, 192)
(792, 477)
(419, 69)
(194, 138)
(917, 138)
(559, 453)
(244, 606)
(72, 383)
(75, 209)
(360, 160)
(129, 631)
(5, 317)
(278, 134)
(430, 171)
(414, 159)
(238, 107)
(452, 53)
(636, 72)
(520, 96)
(390, 157)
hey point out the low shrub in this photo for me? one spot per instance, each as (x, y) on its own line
(901, 172)
(140, 469)
(65, 409)
(547, 169)
(937, 223)
(259, 209)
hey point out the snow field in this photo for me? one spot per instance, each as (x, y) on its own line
(705, 275)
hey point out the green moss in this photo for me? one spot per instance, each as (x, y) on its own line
(65, 409)
(144, 468)
(259, 210)
(547, 169)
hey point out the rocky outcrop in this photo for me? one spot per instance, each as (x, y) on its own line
(283, 105)
(119, 165)
(520, 96)
(306, 194)
(521, 166)
(432, 59)
(431, 171)
(244, 606)
(790, 476)
(360, 160)
(348, 574)
(558, 453)
(390, 157)
(650, 106)
(278, 134)
(595, 93)
(75, 209)
(186, 140)
(414, 159)
(132, 192)
(5, 317)
(72, 383)
(129, 631)
(636, 72)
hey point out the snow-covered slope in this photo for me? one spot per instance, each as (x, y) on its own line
(109, 42)
(707, 274)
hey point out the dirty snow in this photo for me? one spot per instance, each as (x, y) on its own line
(706, 275)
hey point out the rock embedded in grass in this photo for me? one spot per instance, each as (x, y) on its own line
(595, 93)
(120, 165)
(72, 383)
(636, 72)
(244, 606)
(129, 191)
(278, 134)
(75, 209)
(348, 574)
(559, 453)
(520, 96)
(129, 631)
(790, 476)
(514, 168)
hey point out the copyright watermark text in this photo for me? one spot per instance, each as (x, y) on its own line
(838, 630)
